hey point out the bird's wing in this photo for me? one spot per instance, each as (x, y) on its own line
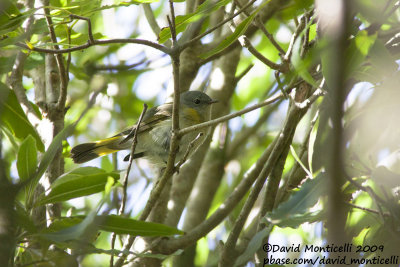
(152, 117)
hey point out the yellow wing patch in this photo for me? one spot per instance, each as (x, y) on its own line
(101, 146)
(107, 140)
(104, 151)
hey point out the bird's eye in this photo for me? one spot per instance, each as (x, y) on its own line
(196, 101)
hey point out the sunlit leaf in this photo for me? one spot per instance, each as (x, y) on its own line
(48, 156)
(72, 228)
(302, 65)
(14, 118)
(121, 225)
(239, 31)
(27, 158)
(300, 162)
(181, 22)
(77, 183)
(311, 143)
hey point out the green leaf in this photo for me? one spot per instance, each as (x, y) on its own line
(181, 22)
(72, 228)
(301, 65)
(311, 143)
(14, 118)
(34, 60)
(296, 157)
(23, 219)
(75, 229)
(6, 63)
(239, 31)
(143, 1)
(52, 149)
(355, 55)
(121, 225)
(300, 201)
(296, 220)
(47, 158)
(77, 183)
(382, 64)
(27, 158)
(357, 52)
(364, 42)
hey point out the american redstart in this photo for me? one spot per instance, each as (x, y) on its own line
(154, 133)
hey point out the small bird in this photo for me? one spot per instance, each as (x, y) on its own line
(154, 135)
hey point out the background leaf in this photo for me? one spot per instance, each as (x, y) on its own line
(239, 31)
(80, 182)
(14, 118)
(72, 228)
(300, 201)
(27, 158)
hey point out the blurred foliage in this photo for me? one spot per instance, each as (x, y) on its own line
(90, 194)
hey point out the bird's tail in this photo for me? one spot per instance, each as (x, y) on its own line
(88, 151)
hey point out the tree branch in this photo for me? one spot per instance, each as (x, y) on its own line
(245, 42)
(270, 37)
(171, 245)
(174, 145)
(159, 47)
(228, 255)
(121, 211)
(230, 116)
(197, 38)
(59, 59)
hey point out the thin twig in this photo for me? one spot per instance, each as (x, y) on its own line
(169, 246)
(259, 24)
(280, 86)
(148, 12)
(174, 53)
(270, 37)
(230, 116)
(290, 183)
(365, 209)
(121, 210)
(243, 73)
(245, 42)
(296, 34)
(171, 21)
(159, 47)
(283, 141)
(189, 148)
(144, 62)
(69, 58)
(241, 138)
(197, 38)
(90, 32)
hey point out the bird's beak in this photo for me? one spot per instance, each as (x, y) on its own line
(213, 101)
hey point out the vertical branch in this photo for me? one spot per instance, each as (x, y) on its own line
(174, 146)
(335, 31)
(59, 59)
(56, 92)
